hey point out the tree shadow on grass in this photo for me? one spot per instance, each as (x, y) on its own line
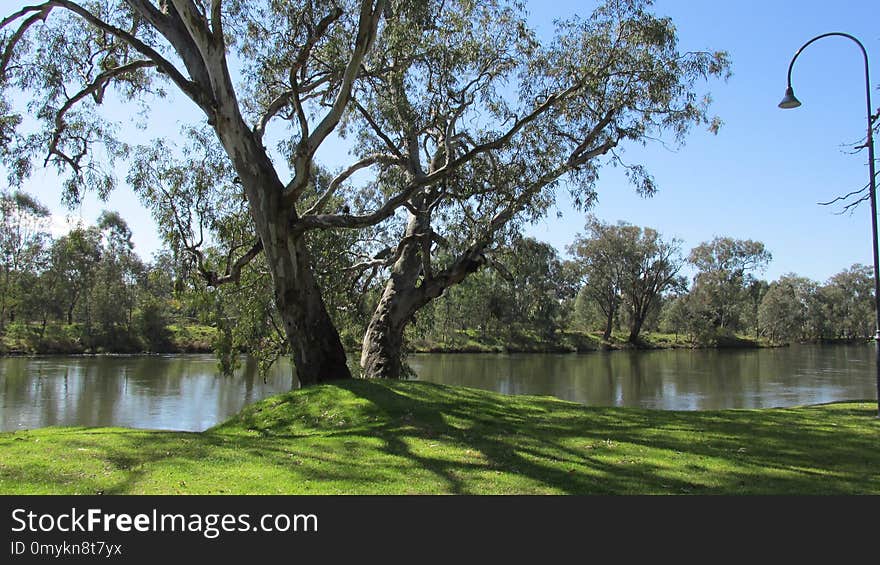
(376, 436)
(473, 420)
(763, 451)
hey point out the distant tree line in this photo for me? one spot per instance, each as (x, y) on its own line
(88, 290)
(626, 279)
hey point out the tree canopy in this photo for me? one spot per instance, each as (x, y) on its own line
(629, 266)
(463, 121)
(725, 268)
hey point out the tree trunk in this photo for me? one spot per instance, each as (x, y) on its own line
(639, 315)
(609, 322)
(411, 286)
(636, 328)
(382, 349)
(317, 351)
(318, 355)
(382, 352)
(3, 301)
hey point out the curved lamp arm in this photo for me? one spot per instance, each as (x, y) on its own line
(790, 101)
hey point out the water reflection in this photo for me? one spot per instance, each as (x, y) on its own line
(185, 392)
(670, 379)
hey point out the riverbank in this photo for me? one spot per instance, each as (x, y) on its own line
(369, 437)
(194, 338)
(64, 339)
(577, 342)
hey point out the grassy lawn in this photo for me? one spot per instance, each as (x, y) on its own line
(367, 437)
(191, 337)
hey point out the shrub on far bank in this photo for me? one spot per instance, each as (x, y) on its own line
(152, 326)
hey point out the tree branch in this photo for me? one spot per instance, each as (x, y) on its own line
(576, 155)
(217, 20)
(852, 205)
(233, 271)
(313, 39)
(366, 34)
(344, 175)
(367, 26)
(386, 210)
(188, 87)
(291, 95)
(197, 26)
(19, 33)
(844, 197)
(171, 26)
(499, 142)
(385, 257)
(271, 111)
(391, 147)
(349, 221)
(474, 257)
(96, 88)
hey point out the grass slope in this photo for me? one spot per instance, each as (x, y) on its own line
(367, 437)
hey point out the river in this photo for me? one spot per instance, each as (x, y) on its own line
(185, 392)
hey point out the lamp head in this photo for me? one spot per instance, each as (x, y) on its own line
(789, 100)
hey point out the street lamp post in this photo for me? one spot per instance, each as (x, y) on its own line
(790, 101)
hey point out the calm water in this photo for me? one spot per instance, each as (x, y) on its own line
(672, 379)
(173, 392)
(184, 392)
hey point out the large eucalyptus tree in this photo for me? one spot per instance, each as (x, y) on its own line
(243, 65)
(464, 125)
(477, 122)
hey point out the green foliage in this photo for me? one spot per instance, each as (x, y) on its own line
(587, 315)
(223, 345)
(88, 291)
(23, 237)
(517, 302)
(848, 301)
(783, 312)
(151, 323)
(625, 267)
(798, 309)
(725, 271)
(192, 338)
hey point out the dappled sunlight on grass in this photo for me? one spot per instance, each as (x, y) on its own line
(363, 437)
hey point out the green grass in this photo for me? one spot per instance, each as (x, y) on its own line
(192, 337)
(58, 338)
(411, 437)
(21, 337)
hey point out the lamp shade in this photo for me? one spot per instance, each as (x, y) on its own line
(789, 100)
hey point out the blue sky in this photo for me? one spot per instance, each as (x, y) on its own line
(762, 175)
